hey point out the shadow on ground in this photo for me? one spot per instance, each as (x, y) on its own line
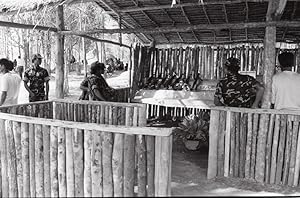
(189, 169)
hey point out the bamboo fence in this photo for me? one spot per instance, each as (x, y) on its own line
(83, 148)
(255, 144)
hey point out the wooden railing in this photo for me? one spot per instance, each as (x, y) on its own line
(256, 144)
(113, 113)
(43, 109)
(50, 157)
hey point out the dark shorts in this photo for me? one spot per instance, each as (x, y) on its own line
(36, 98)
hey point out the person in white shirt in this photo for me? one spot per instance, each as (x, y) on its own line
(285, 84)
(9, 83)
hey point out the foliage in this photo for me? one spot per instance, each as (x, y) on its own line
(195, 127)
(77, 17)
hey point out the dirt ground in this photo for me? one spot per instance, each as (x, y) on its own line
(189, 168)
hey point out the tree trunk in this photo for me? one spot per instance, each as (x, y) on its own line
(79, 58)
(97, 51)
(48, 52)
(84, 57)
(67, 68)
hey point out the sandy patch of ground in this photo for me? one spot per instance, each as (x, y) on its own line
(189, 170)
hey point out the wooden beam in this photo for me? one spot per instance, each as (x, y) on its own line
(208, 20)
(180, 37)
(292, 18)
(280, 8)
(59, 69)
(169, 17)
(213, 43)
(226, 19)
(53, 29)
(157, 7)
(102, 40)
(180, 5)
(247, 18)
(152, 21)
(26, 26)
(188, 28)
(189, 22)
(117, 11)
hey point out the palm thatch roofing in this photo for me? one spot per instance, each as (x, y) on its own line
(189, 21)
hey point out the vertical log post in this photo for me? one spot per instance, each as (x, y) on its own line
(46, 148)
(97, 173)
(87, 177)
(261, 148)
(11, 160)
(25, 159)
(275, 9)
(107, 142)
(227, 144)
(163, 162)
(31, 160)
(59, 53)
(213, 138)
(39, 160)
(18, 147)
(129, 153)
(78, 162)
(61, 162)
(69, 163)
(3, 149)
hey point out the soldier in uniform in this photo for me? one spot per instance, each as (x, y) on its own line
(236, 90)
(38, 79)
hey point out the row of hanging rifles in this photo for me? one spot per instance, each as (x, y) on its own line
(172, 82)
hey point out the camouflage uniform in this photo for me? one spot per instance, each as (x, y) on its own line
(96, 82)
(236, 90)
(37, 78)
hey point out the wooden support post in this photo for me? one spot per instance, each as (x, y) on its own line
(213, 138)
(269, 60)
(227, 144)
(59, 54)
(275, 9)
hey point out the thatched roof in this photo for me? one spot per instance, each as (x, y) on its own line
(193, 21)
(13, 5)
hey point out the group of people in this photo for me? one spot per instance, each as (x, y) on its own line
(236, 90)
(10, 81)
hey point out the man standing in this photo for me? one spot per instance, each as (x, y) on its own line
(285, 85)
(9, 83)
(38, 78)
(236, 90)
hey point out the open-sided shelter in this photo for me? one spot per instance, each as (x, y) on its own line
(188, 37)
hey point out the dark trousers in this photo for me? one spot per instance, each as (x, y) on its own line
(20, 70)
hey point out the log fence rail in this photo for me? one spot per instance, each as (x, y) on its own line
(109, 152)
(257, 144)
